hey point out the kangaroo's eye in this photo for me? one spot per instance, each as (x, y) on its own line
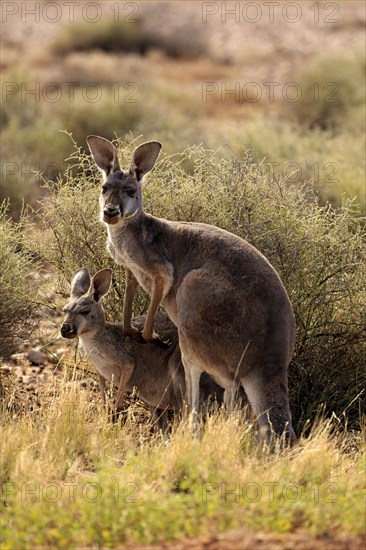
(84, 311)
(104, 189)
(131, 193)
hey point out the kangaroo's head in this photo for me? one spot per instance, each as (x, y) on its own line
(84, 312)
(120, 198)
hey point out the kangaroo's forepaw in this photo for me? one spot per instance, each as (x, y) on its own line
(117, 415)
(161, 343)
(155, 339)
(135, 334)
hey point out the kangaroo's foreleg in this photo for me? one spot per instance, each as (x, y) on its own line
(125, 377)
(102, 387)
(159, 290)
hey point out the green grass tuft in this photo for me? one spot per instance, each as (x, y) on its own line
(17, 304)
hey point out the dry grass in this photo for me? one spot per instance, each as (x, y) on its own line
(128, 485)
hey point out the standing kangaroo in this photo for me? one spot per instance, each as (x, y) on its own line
(157, 373)
(233, 315)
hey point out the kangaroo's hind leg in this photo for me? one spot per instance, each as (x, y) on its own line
(192, 373)
(268, 397)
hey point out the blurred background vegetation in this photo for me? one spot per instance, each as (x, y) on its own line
(187, 82)
(288, 175)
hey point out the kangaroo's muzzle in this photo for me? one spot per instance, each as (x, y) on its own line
(111, 214)
(68, 331)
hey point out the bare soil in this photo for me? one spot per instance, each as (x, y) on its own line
(241, 540)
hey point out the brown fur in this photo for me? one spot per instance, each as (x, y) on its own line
(233, 315)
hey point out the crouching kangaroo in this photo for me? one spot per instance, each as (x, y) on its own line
(157, 373)
(233, 315)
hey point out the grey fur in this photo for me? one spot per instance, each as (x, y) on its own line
(233, 315)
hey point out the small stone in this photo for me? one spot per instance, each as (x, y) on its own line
(35, 355)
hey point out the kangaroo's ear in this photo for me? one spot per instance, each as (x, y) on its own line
(100, 284)
(104, 154)
(144, 158)
(80, 283)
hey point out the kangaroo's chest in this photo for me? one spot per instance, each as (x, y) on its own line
(126, 255)
(143, 279)
(101, 362)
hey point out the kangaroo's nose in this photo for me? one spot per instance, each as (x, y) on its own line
(111, 211)
(67, 331)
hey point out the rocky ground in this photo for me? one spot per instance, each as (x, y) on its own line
(33, 374)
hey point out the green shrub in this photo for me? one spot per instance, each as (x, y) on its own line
(107, 116)
(334, 163)
(319, 253)
(32, 147)
(17, 303)
(333, 92)
(106, 35)
(33, 143)
(110, 36)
